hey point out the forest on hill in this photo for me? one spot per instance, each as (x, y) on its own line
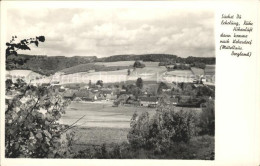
(48, 65)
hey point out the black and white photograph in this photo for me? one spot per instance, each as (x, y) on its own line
(110, 83)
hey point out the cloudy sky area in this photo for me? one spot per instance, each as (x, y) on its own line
(104, 31)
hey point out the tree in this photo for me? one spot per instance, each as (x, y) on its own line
(133, 89)
(100, 82)
(207, 118)
(89, 84)
(161, 86)
(31, 121)
(161, 131)
(32, 114)
(13, 47)
(139, 83)
(138, 64)
(128, 72)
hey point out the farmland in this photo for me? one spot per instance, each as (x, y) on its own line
(210, 70)
(117, 63)
(102, 122)
(101, 114)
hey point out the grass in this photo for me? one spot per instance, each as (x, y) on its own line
(179, 73)
(101, 115)
(199, 148)
(107, 127)
(210, 70)
(117, 63)
(97, 136)
(197, 71)
(90, 66)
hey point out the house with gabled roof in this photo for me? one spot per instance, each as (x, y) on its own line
(148, 101)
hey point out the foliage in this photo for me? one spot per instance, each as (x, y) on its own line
(31, 121)
(162, 86)
(198, 65)
(128, 72)
(139, 83)
(207, 118)
(205, 91)
(162, 130)
(45, 65)
(100, 82)
(32, 114)
(134, 90)
(201, 147)
(138, 64)
(181, 66)
(13, 47)
(143, 57)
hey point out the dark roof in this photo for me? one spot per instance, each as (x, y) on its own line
(151, 99)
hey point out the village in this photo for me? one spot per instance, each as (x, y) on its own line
(177, 94)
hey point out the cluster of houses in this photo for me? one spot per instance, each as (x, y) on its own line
(117, 95)
(90, 94)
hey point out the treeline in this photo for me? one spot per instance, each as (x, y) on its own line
(45, 65)
(167, 58)
(143, 57)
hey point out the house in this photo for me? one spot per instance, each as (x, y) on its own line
(172, 101)
(111, 97)
(148, 101)
(26, 75)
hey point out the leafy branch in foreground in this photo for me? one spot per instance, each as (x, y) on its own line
(13, 47)
(32, 116)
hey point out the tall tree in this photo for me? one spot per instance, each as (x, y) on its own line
(161, 86)
(128, 72)
(139, 83)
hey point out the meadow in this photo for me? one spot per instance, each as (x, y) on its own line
(210, 70)
(117, 63)
(102, 123)
(101, 114)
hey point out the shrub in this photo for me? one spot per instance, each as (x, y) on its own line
(138, 64)
(160, 132)
(207, 118)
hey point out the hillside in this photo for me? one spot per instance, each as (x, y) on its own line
(91, 66)
(143, 57)
(48, 65)
(45, 65)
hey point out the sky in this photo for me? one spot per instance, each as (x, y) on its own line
(104, 32)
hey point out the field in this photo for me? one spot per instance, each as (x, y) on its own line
(102, 122)
(101, 114)
(127, 63)
(197, 71)
(118, 63)
(117, 72)
(210, 70)
(178, 76)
